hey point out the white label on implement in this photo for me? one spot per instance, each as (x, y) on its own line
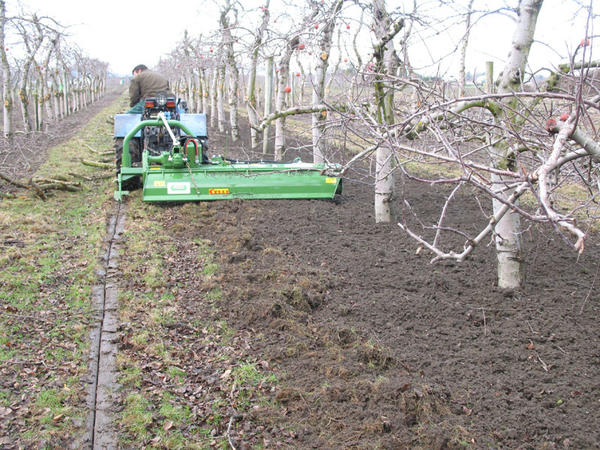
(181, 187)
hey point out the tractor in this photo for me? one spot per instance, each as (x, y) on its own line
(164, 151)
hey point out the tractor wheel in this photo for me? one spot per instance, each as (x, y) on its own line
(136, 158)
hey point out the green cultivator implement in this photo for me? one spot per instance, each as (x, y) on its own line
(182, 171)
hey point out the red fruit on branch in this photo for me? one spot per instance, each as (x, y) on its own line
(564, 117)
(297, 74)
(585, 42)
(347, 27)
(301, 46)
(288, 89)
(316, 26)
(551, 125)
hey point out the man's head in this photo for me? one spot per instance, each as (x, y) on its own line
(139, 68)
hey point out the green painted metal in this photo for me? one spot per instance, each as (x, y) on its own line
(180, 175)
(221, 180)
(126, 158)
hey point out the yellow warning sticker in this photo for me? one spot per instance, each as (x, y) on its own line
(159, 183)
(330, 180)
(218, 191)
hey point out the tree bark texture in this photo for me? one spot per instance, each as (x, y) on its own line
(319, 119)
(268, 101)
(251, 99)
(6, 77)
(507, 232)
(464, 43)
(234, 74)
(387, 63)
(281, 102)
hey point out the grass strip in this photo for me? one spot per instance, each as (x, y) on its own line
(48, 260)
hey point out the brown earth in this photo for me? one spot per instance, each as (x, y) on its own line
(375, 347)
(372, 346)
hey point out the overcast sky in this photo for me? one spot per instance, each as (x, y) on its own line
(125, 33)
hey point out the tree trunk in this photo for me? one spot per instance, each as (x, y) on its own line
(280, 105)
(282, 98)
(56, 104)
(234, 74)
(508, 229)
(252, 104)
(24, 97)
(463, 50)
(251, 99)
(213, 97)
(234, 78)
(37, 106)
(319, 119)
(221, 98)
(198, 92)
(204, 90)
(6, 76)
(65, 94)
(189, 88)
(268, 101)
(387, 63)
(302, 83)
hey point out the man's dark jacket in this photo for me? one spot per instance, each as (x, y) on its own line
(146, 84)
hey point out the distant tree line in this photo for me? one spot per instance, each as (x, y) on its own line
(44, 76)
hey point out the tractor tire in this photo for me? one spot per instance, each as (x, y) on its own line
(134, 183)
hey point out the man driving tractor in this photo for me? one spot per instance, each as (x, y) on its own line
(145, 83)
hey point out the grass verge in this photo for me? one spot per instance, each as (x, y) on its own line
(48, 258)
